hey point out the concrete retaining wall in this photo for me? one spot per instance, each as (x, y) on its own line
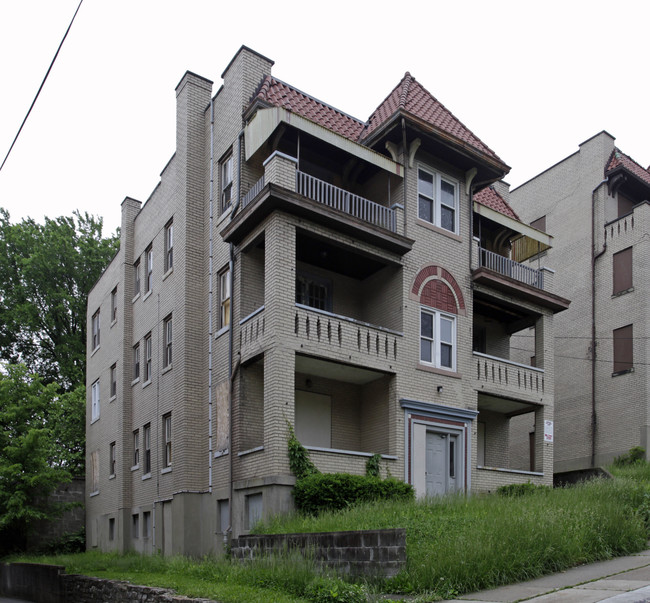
(366, 552)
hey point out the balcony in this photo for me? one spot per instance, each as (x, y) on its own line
(507, 267)
(509, 378)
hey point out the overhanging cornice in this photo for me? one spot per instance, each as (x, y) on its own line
(265, 121)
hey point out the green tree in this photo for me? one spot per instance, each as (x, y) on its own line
(31, 464)
(46, 272)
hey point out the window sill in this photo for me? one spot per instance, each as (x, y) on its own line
(110, 477)
(168, 368)
(438, 371)
(146, 476)
(221, 331)
(136, 380)
(94, 420)
(95, 493)
(113, 323)
(256, 449)
(95, 350)
(113, 398)
(221, 453)
(146, 383)
(517, 471)
(147, 295)
(625, 372)
(135, 297)
(438, 229)
(166, 470)
(619, 293)
(135, 467)
(170, 271)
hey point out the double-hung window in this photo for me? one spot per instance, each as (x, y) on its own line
(136, 277)
(111, 459)
(114, 381)
(167, 336)
(167, 440)
(224, 298)
(136, 448)
(114, 305)
(95, 330)
(147, 357)
(437, 339)
(437, 200)
(136, 361)
(226, 181)
(94, 395)
(314, 292)
(149, 275)
(146, 432)
(169, 246)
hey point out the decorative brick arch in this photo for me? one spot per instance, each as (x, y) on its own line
(437, 288)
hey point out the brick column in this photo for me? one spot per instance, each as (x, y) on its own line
(281, 169)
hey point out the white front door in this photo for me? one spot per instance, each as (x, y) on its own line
(441, 466)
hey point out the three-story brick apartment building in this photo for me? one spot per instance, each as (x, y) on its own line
(595, 203)
(296, 265)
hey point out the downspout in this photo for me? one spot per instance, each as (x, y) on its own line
(210, 294)
(231, 268)
(594, 257)
(404, 161)
(469, 190)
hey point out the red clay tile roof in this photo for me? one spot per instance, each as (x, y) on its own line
(408, 96)
(411, 97)
(620, 159)
(490, 198)
(279, 94)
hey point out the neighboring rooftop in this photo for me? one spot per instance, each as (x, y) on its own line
(490, 198)
(618, 159)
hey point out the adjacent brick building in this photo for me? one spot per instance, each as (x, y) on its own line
(595, 203)
(296, 265)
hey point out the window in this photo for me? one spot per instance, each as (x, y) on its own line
(169, 246)
(136, 277)
(223, 515)
(224, 298)
(95, 330)
(167, 337)
(226, 181)
(94, 471)
(146, 524)
(147, 447)
(622, 270)
(147, 357)
(148, 280)
(114, 305)
(437, 200)
(111, 528)
(136, 361)
(135, 525)
(314, 292)
(437, 339)
(254, 508)
(623, 349)
(111, 459)
(136, 448)
(167, 440)
(95, 401)
(114, 381)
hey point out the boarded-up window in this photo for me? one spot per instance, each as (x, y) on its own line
(625, 205)
(623, 270)
(539, 224)
(623, 349)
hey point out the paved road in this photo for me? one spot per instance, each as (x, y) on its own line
(621, 580)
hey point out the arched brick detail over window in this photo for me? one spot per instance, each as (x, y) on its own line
(437, 288)
(437, 294)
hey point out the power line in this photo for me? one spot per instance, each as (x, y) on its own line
(41, 86)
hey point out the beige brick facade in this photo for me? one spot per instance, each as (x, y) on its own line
(599, 413)
(372, 326)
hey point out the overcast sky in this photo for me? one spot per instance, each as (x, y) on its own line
(531, 79)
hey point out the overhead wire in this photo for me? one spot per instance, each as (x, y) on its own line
(41, 86)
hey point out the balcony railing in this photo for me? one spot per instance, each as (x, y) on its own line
(344, 201)
(507, 267)
(507, 375)
(251, 194)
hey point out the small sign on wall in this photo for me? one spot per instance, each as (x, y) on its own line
(548, 431)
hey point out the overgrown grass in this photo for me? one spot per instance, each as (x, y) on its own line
(464, 544)
(454, 545)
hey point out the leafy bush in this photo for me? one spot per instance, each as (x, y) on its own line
(299, 462)
(334, 491)
(331, 590)
(373, 466)
(520, 489)
(633, 456)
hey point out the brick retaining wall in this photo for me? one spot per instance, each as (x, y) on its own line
(365, 552)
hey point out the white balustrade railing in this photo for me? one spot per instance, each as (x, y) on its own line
(508, 267)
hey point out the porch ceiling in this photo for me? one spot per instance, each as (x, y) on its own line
(335, 371)
(503, 406)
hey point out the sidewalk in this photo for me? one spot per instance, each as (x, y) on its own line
(620, 580)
